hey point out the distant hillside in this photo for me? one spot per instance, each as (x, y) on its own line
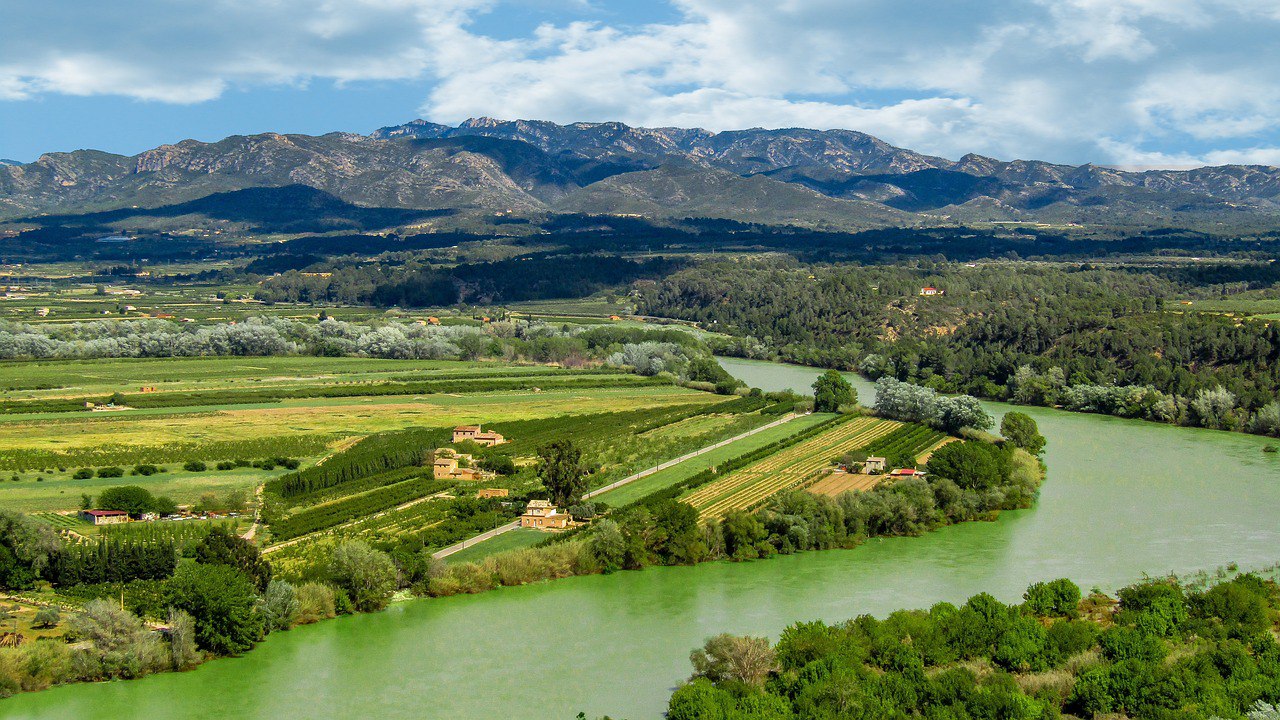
(829, 178)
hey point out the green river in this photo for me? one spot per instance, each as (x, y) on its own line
(1122, 498)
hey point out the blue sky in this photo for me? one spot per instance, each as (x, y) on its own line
(1168, 83)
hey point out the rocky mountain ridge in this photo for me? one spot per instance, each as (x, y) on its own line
(840, 178)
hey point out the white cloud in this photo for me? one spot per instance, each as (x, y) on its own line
(186, 51)
(1065, 80)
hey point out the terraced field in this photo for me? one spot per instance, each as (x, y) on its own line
(791, 467)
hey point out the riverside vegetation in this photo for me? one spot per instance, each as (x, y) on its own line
(1162, 649)
(215, 593)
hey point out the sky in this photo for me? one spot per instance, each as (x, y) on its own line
(1131, 83)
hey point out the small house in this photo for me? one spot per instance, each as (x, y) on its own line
(433, 321)
(615, 318)
(475, 434)
(873, 465)
(492, 493)
(907, 473)
(448, 465)
(104, 517)
(931, 291)
(541, 514)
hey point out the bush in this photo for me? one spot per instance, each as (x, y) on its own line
(145, 470)
(226, 465)
(280, 605)
(82, 474)
(195, 466)
(110, 472)
(1058, 598)
(315, 603)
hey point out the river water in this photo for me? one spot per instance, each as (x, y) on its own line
(1122, 498)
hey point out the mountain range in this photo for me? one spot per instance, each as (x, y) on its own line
(817, 178)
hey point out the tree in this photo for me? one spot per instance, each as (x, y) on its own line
(971, 464)
(747, 660)
(132, 499)
(368, 576)
(743, 532)
(183, 651)
(608, 545)
(224, 604)
(280, 605)
(562, 471)
(164, 505)
(1021, 430)
(27, 547)
(959, 412)
(222, 547)
(47, 617)
(831, 390)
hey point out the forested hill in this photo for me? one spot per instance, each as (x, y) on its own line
(815, 178)
(1088, 339)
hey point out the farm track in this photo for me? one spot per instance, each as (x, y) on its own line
(786, 469)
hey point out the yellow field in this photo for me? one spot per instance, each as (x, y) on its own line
(788, 468)
(842, 482)
(328, 417)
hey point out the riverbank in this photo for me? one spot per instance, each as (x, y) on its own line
(1123, 498)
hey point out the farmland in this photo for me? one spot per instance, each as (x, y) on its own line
(44, 450)
(788, 468)
(664, 478)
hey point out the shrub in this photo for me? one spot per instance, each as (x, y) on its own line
(195, 466)
(110, 472)
(1058, 598)
(280, 605)
(315, 603)
(82, 474)
(145, 470)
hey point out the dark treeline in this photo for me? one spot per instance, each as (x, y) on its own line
(532, 277)
(1033, 334)
(113, 561)
(1161, 651)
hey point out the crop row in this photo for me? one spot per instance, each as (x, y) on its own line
(353, 507)
(908, 441)
(377, 453)
(527, 436)
(197, 398)
(28, 459)
(180, 534)
(751, 486)
(710, 475)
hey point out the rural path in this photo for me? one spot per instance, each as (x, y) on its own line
(349, 523)
(446, 552)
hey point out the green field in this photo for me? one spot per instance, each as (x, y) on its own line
(512, 540)
(53, 445)
(59, 491)
(665, 478)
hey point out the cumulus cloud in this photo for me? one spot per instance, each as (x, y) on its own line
(188, 51)
(1111, 81)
